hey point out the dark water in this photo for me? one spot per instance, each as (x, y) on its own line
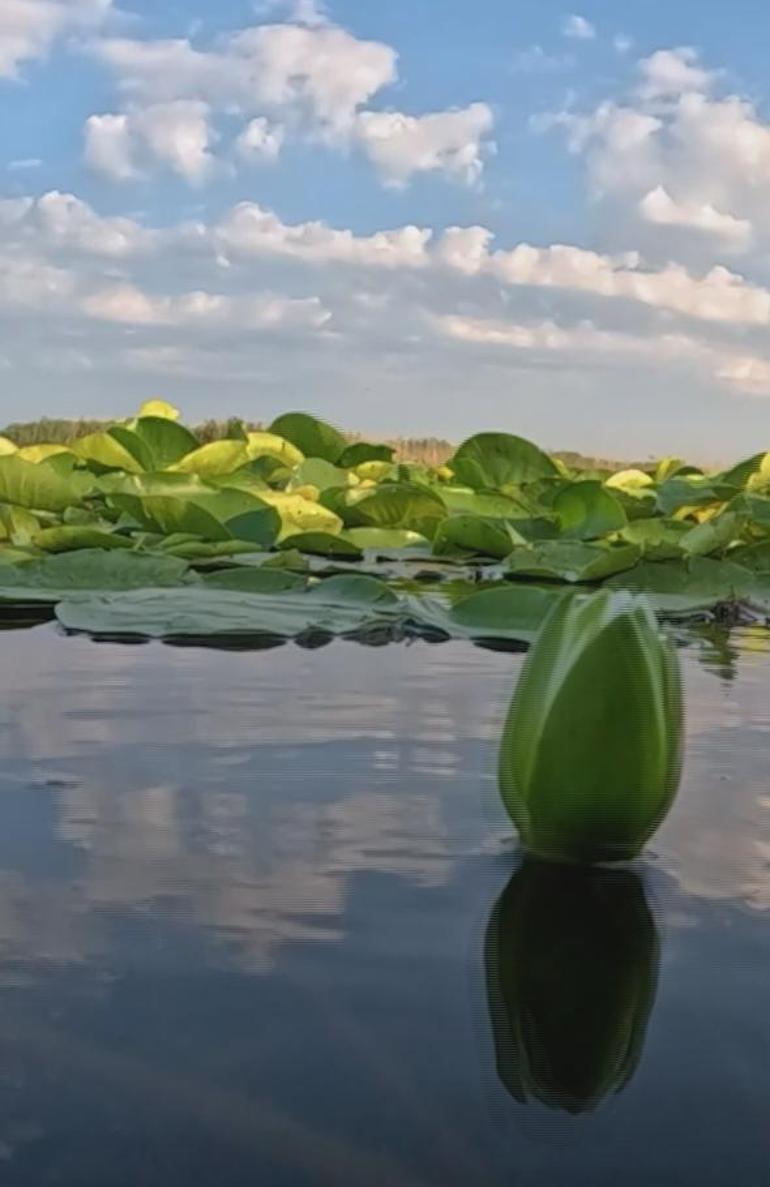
(261, 922)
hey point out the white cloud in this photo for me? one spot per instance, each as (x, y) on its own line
(673, 72)
(451, 142)
(311, 80)
(176, 134)
(129, 305)
(657, 206)
(29, 28)
(745, 374)
(109, 146)
(248, 229)
(622, 43)
(33, 282)
(67, 272)
(578, 28)
(321, 73)
(677, 154)
(24, 164)
(719, 295)
(64, 221)
(260, 140)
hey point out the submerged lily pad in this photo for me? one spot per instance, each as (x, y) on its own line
(54, 577)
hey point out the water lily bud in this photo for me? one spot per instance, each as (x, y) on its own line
(591, 754)
(571, 957)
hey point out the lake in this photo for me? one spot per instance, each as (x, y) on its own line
(263, 920)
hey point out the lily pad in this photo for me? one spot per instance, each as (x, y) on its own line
(52, 578)
(563, 560)
(313, 437)
(492, 461)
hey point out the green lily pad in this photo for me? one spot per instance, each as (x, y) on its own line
(563, 560)
(491, 461)
(52, 578)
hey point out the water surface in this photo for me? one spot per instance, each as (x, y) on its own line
(262, 921)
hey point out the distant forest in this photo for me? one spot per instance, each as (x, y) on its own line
(430, 451)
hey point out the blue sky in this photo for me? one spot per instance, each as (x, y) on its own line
(426, 219)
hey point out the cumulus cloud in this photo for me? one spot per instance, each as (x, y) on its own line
(129, 305)
(32, 282)
(177, 135)
(260, 140)
(63, 221)
(29, 28)
(745, 374)
(675, 153)
(673, 72)
(320, 73)
(451, 142)
(659, 207)
(720, 295)
(84, 274)
(578, 28)
(309, 80)
(250, 230)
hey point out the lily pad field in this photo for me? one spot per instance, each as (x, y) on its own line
(141, 530)
(269, 706)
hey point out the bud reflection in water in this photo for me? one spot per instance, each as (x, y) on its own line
(572, 968)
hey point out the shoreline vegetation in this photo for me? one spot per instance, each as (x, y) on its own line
(428, 451)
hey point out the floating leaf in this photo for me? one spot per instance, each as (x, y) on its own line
(659, 539)
(270, 445)
(39, 487)
(587, 511)
(713, 536)
(508, 612)
(323, 544)
(361, 452)
(464, 501)
(218, 457)
(165, 442)
(473, 534)
(563, 560)
(263, 581)
(313, 437)
(70, 539)
(159, 408)
(386, 540)
(629, 480)
(494, 460)
(398, 505)
(103, 451)
(676, 589)
(300, 515)
(54, 577)
(314, 471)
(43, 453)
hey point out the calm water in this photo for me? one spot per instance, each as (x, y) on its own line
(261, 922)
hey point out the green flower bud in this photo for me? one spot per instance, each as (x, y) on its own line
(572, 956)
(591, 754)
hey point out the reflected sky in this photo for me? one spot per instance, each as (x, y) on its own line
(243, 907)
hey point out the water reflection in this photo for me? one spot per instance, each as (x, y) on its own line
(572, 970)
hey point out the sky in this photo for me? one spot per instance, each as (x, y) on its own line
(426, 218)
